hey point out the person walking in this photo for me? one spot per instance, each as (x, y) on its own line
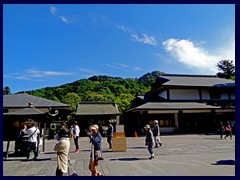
(228, 131)
(110, 135)
(156, 134)
(62, 147)
(221, 129)
(33, 133)
(76, 132)
(95, 140)
(19, 144)
(149, 141)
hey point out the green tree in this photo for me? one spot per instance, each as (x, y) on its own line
(93, 96)
(6, 90)
(124, 101)
(227, 69)
(71, 99)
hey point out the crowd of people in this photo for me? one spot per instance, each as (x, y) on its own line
(65, 133)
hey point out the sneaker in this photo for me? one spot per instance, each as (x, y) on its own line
(152, 157)
(109, 149)
(76, 151)
(156, 146)
(160, 144)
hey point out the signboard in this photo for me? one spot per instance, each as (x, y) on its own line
(119, 128)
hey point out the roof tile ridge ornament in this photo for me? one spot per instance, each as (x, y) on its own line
(56, 112)
(30, 105)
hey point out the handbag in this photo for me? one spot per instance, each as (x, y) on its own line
(99, 155)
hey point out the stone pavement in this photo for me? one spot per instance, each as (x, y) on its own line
(180, 155)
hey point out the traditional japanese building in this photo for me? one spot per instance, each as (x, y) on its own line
(24, 108)
(184, 104)
(88, 113)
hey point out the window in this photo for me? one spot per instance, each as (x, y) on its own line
(215, 94)
(167, 123)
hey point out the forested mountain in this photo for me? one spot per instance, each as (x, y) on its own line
(99, 88)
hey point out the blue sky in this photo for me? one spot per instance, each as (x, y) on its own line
(49, 45)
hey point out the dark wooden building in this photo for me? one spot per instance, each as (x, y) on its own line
(88, 113)
(24, 108)
(184, 104)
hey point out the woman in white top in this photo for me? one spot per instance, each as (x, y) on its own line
(76, 132)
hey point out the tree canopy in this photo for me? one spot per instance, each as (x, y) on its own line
(227, 69)
(99, 89)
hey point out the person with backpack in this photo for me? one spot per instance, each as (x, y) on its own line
(33, 134)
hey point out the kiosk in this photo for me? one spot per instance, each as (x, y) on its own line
(119, 139)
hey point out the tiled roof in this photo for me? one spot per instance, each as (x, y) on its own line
(26, 111)
(173, 106)
(97, 108)
(22, 100)
(196, 80)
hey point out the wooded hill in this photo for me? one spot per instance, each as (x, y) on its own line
(99, 89)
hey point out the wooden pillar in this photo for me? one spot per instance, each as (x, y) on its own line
(117, 120)
(176, 121)
(8, 143)
(44, 136)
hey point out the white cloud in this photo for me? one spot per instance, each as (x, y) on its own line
(197, 58)
(137, 69)
(123, 28)
(145, 39)
(36, 74)
(65, 19)
(123, 67)
(53, 10)
(86, 70)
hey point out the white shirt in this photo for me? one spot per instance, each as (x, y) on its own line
(30, 131)
(76, 131)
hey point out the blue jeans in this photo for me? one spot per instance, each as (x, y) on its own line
(32, 146)
(150, 149)
(109, 140)
(76, 142)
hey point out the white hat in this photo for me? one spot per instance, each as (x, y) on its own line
(147, 127)
(156, 121)
(94, 127)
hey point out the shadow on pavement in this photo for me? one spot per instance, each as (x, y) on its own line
(224, 162)
(49, 152)
(12, 159)
(27, 160)
(137, 147)
(86, 150)
(128, 159)
(214, 138)
(39, 159)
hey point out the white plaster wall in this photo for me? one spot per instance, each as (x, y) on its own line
(184, 94)
(205, 95)
(163, 94)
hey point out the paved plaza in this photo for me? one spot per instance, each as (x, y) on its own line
(180, 155)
